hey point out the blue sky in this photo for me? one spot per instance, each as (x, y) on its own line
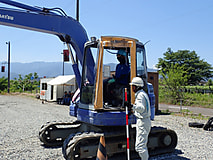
(178, 24)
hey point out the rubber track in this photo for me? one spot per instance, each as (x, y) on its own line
(71, 150)
(162, 148)
(44, 133)
(72, 145)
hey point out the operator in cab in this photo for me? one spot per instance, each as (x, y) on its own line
(122, 69)
(113, 87)
(141, 110)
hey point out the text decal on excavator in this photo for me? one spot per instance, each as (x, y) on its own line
(6, 17)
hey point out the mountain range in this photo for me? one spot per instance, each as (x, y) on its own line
(47, 69)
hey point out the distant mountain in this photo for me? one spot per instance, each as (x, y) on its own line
(112, 66)
(48, 69)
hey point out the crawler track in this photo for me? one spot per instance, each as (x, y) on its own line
(54, 134)
(80, 140)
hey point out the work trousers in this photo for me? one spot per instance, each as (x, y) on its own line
(143, 127)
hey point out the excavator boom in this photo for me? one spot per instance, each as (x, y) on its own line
(47, 21)
(44, 20)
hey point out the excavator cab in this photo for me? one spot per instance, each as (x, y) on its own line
(104, 93)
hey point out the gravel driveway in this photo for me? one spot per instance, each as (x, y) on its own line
(22, 117)
(20, 122)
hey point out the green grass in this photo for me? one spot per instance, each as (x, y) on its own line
(30, 93)
(189, 99)
(199, 100)
(199, 87)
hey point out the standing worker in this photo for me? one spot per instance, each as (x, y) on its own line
(141, 110)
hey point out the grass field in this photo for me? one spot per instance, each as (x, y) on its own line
(189, 99)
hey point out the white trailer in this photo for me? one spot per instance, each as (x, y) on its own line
(45, 90)
(53, 88)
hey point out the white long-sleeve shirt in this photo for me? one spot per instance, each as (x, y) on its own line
(141, 107)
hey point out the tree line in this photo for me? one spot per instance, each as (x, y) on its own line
(29, 82)
(182, 68)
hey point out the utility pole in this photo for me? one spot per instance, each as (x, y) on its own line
(63, 68)
(62, 64)
(8, 83)
(77, 18)
(77, 10)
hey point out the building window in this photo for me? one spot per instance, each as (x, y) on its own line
(44, 86)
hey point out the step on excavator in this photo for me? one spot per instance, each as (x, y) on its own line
(97, 108)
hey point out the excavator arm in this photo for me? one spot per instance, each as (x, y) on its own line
(52, 21)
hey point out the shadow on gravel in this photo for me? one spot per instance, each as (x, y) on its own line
(50, 147)
(164, 112)
(174, 155)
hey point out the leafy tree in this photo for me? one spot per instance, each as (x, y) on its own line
(29, 82)
(210, 83)
(13, 85)
(17, 84)
(174, 80)
(195, 68)
(3, 84)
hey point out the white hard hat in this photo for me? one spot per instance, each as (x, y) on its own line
(137, 81)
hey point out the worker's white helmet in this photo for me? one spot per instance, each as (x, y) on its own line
(137, 81)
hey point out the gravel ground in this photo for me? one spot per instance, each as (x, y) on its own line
(22, 117)
(20, 122)
(193, 143)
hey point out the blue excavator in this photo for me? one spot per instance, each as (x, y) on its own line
(99, 104)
